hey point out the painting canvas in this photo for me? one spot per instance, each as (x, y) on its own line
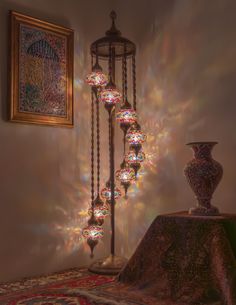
(41, 72)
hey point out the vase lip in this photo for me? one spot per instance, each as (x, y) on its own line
(202, 142)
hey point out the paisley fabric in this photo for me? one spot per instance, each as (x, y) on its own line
(186, 260)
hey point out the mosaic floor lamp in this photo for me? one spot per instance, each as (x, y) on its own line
(112, 49)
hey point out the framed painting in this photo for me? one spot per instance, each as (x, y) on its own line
(41, 72)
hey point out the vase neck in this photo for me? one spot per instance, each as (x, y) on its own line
(202, 150)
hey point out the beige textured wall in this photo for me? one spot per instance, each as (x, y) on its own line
(44, 178)
(186, 91)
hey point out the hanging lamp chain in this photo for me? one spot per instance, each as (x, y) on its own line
(98, 147)
(125, 75)
(134, 82)
(92, 146)
(123, 78)
(110, 63)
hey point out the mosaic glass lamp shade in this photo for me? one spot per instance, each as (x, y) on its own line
(125, 175)
(106, 193)
(96, 78)
(135, 137)
(134, 160)
(110, 95)
(93, 232)
(126, 116)
(100, 212)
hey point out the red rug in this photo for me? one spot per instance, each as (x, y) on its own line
(72, 287)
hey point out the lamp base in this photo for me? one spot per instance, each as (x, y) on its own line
(111, 265)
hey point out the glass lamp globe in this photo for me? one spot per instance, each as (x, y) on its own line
(96, 78)
(126, 116)
(135, 137)
(134, 160)
(110, 95)
(126, 176)
(93, 232)
(106, 192)
(100, 210)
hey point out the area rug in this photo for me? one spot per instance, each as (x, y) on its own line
(72, 287)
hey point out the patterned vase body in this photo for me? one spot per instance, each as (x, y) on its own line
(203, 174)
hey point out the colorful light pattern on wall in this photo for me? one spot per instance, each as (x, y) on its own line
(184, 61)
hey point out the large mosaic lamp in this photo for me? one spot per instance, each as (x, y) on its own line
(111, 50)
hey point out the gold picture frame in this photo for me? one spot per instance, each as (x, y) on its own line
(41, 72)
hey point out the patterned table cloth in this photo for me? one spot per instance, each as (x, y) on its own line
(186, 259)
(182, 260)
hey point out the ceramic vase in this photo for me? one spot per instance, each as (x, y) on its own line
(203, 174)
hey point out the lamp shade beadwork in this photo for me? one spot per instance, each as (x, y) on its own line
(110, 96)
(135, 137)
(106, 193)
(125, 175)
(126, 116)
(93, 232)
(132, 158)
(100, 211)
(97, 79)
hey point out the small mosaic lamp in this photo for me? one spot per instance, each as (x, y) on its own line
(126, 116)
(93, 233)
(106, 192)
(110, 96)
(126, 176)
(135, 137)
(134, 160)
(100, 210)
(96, 78)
